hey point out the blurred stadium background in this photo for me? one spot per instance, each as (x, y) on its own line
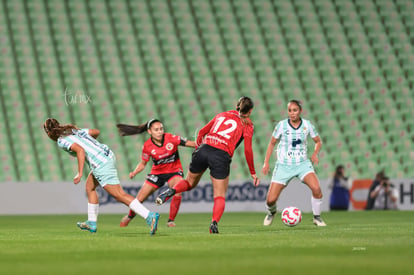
(96, 63)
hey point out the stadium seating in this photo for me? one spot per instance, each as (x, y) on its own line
(98, 63)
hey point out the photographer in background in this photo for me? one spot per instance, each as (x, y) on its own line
(340, 190)
(375, 183)
(385, 195)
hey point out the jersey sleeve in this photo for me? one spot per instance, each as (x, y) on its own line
(312, 131)
(179, 140)
(248, 150)
(146, 155)
(277, 132)
(203, 131)
(64, 143)
(183, 141)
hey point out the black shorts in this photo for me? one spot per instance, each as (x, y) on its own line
(159, 180)
(207, 156)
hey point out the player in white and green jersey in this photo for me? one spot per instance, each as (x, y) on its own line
(292, 160)
(97, 154)
(293, 145)
(82, 143)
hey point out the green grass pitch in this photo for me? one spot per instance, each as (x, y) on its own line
(352, 243)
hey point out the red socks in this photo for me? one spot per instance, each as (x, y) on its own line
(131, 214)
(174, 207)
(182, 186)
(218, 208)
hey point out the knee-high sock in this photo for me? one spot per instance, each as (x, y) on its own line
(93, 210)
(174, 207)
(139, 208)
(218, 208)
(316, 206)
(271, 210)
(131, 214)
(182, 186)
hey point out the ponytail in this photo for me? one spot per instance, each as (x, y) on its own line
(54, 130)
(244, 105)
(129, 130)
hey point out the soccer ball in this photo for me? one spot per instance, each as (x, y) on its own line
(291, 216)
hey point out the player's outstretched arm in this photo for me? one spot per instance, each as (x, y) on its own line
(141, 166)
(190, 143)
(94, 133)
(318, 147)
(269, 151)
(80, 154)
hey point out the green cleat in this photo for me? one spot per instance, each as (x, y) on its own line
(152, 221)
(91, 226)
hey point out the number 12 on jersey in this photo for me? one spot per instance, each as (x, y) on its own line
(231, 126)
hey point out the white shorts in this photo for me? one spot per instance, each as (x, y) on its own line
(107, 173)
(284, 173)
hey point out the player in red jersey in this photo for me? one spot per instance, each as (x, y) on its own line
(162, 148)
(216, 143)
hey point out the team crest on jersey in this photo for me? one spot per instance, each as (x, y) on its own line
(169, 146)
(305, 130)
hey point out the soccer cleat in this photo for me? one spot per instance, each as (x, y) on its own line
(152, 221)
(125, 221)
(170, 224)
(91, 226)
(214, 228)
(317, 220)
(164, 196)
(269, 219)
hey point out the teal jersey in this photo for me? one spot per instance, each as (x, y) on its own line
(293, 145)
(96, 153)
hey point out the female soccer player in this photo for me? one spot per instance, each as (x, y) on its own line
(292, 161)
(163, 149)
(216, 144)
(82, 143)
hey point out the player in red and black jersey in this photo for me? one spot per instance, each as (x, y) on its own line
(216, 143)
(162, 148)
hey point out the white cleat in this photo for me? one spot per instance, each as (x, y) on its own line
(318, 221)
(269, 219)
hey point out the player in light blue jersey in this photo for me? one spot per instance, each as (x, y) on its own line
(82, 143)
(292, 161)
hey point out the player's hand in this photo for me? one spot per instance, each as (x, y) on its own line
(256, 180)
(265, 169)
(77, 178)
(132, 175)
(315, 159)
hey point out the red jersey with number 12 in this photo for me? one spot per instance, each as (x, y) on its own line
(165, 157)
(226, 131)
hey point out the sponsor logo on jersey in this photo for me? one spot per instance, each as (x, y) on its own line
(169, 159)
(295, 154)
